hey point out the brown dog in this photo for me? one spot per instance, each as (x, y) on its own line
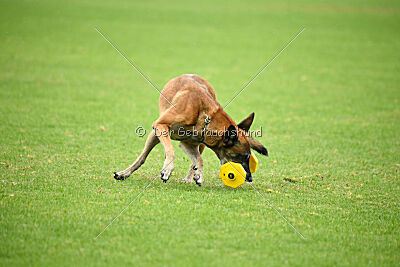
(190, 113)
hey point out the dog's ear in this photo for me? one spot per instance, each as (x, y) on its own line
(257, 146)
(246, 123)
(230, 136)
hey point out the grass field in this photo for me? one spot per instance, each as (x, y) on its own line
(328, 107)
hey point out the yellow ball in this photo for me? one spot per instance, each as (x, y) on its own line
(253, 163)
(232, 174)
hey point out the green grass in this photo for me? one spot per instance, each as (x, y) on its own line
(328, 107)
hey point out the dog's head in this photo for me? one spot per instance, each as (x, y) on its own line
(237, 144)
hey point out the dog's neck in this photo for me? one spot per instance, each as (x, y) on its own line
(219, 121)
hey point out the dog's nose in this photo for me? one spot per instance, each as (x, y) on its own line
(248, 177)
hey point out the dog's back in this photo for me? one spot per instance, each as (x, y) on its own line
(186, 84)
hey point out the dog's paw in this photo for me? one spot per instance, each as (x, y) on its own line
(166, 171)
(164, 175)
(120, 176)
(198, 178)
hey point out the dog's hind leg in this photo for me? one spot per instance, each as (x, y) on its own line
(162, 132)
(151, 142)
(196, 169)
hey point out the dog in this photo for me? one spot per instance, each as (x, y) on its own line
(190, 113)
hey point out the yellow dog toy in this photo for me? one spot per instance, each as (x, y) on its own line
(233, 174)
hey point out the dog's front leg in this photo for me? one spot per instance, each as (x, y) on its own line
(162, 132)
(193, 152)
(198, 171)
